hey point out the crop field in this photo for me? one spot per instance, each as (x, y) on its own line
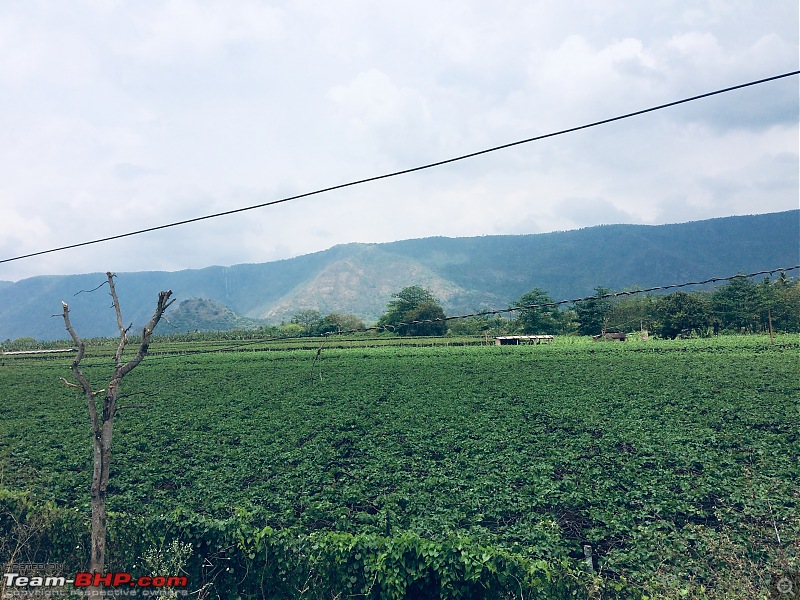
(675, 461)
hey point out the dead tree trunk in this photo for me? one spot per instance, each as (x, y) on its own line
(102, 416)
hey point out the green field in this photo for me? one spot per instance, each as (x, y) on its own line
(677, 461)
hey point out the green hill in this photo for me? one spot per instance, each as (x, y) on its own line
(199, 314)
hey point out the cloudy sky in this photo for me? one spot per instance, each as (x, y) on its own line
(121, 115)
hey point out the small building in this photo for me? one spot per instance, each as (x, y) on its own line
(516, 340)
(614, 336)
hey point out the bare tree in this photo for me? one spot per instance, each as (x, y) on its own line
(103, 419)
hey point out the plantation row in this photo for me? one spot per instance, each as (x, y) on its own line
(379, 471)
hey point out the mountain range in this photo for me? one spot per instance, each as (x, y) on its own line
(465, 274)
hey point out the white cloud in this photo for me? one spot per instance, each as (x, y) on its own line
(178, 30)
(21, 230)
(119, 116)
(373, 100)
(375, 110)
(33, 53)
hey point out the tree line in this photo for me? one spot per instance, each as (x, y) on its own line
(404, 315)
(739, 306)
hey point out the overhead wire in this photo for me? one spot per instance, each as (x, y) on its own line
(405, 171)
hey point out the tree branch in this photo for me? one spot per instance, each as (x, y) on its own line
(73, 385)
(75, 367)
(68, 384)
(123, 333)
(90, 291)
(163, 304)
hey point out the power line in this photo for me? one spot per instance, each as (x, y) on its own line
(404, 171)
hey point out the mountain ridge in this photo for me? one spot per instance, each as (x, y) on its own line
(467, 274)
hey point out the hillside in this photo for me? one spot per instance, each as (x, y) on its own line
(198, 314)
(465, 273)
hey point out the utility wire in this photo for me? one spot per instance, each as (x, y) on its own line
(405, 171)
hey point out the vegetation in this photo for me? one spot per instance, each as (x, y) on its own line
(466, 471)
(313, 323)
(739, 306)
(547, 320)
(102, 420)
(414, 311)
(592, 316)
(681, 314)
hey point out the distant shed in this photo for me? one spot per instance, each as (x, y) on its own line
(616, 336)
(516, 340)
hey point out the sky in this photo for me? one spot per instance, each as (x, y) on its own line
(121, 115)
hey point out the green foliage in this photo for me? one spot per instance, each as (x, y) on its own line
(168, 559)
(632, 313)
(681, 314)
(740, 306)
(32, 530)
(235, 557)
(547, 320)
(339, 322)
(21, 344)
(308, 319)
(784, 304)
(414, 304)
(425, 319)
(737, 306)
(479, 326)
(312, 323)
(744, 306)
(592, 315)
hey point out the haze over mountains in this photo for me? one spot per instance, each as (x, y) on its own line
(466, 274)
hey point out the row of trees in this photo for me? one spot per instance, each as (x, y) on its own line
(740, 306)
(311, 322)
(412, 311)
